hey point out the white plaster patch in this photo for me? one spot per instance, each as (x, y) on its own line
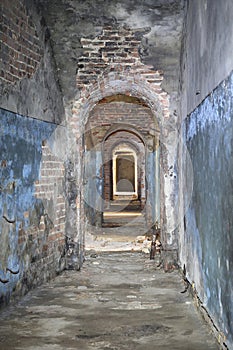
(219, 262)
(137, 305)
(220, 297)
(135, 19)
(227, 265)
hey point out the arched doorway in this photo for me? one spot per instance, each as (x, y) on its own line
(123, 165)
(122, 160)
(124, 172)
(124, 86)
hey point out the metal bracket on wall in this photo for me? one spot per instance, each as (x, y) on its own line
(12, 272)
(8, 220)
(3, 281)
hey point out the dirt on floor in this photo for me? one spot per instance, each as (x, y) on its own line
(117, 301)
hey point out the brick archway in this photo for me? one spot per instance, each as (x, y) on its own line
(130, 82)
(144, 84)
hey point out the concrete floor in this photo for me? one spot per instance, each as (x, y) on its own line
(117, 301)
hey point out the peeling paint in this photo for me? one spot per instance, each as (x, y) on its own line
(20, 151)
(209, 221)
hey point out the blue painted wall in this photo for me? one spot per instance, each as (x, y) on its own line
(20, 159)
(93, 187)
(209, 219)
(153, 186)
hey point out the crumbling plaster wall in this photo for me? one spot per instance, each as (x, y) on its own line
(69, 21)
(206, 159)
(32, 196)
(32, 205)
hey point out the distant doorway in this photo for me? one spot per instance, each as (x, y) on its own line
(124, 172)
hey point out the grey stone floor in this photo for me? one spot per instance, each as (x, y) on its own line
(117, 301)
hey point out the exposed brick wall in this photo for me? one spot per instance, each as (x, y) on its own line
(104, 115)
(115, 47)
(112, 46)
(50, 185)
(111, 65)
(45, 239)
(21, 51)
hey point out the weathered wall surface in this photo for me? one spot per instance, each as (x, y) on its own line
(209, 221)
(28, 83)
(161, 21)
(32, 204)
(206, 159)
(208, 47)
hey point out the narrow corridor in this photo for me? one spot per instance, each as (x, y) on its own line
(117, 301)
